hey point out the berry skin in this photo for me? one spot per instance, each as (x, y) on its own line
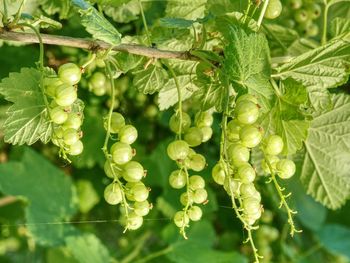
(121, 153)
(238, 154)
(174, 122)
(97, 80)
(196, 182)
(207, 133)
(312, 30)
(247, 97)
(246, 112)
(69, 73)
(295, 4)
(58, 115)
(246, 173)
(274, 9)
(273, 161)
(70, 136)
(233, 129)
(250, 136)
(184, 198)
(218, 174)
(194, 136)
(117, 122)
(285, 168)
(177, 179)
(178, 150)
(195, 213)
(301, 16)
(314, 10)
(181, 219)
(195, 162)
(128, 134)
(203, 119)
(251, 205)
(273, 145)
(140, 192)
(76, 148)
(231, 185)
(73, 121)
(133, 171)
(51, 85)
(249, 190)
(66, 95)
(108, 170)
(142, 208)
(134, 221)
(200, 196)
(113, 194)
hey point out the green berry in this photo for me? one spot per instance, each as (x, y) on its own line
(246, 173)
(108, 170)
(285, 168)
(273, 160)
(301, 16)
(196, 182)
(113, 194)
(203, 119)
(247, 112)
(233, 129)
(186, 198)
(295, 4)
(207, 133)
(195, 162)
(74, 121)
(133, 171)
(58, 115)
(70, 136)
(117, 122)
(174, 122)
(194, 136)
(274, 9)
(238, 154)
(69, 73)
(250, 136)
(181, 219)
(128, 134)
(142, 208)
(231, 186)
(121, 153)
(51, 85)
(76, 148)
(200, 195)
(195, 213)
(218, 174)
(134, 221)
(273, 145)
(177, 179)
(247, 97)
(66, 95)
(178, 150)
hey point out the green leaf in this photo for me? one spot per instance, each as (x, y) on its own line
(247, 64)
(280, 36)
(340, 26)
(335, 238)
(88, 249)
(87, 195)
(321, 68)
(28, 119)
(98, 26)
(186, 9)
(61, 7)
(150, 80)
(325, 169)
(168, 96)
(210, 95)
(171, 22)
(50, 194)
(286, 118)
(123, 11)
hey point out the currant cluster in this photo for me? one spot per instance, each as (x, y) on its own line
(301, 16)
(235, 172)
(98, 84)
(65, 111)
(284, 168)
(126, 174)
(187, 159)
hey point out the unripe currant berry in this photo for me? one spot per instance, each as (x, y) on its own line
(195, 213)
(178, 150)
(128, 134)
(246, 112)
(74, 121)
(285, 168)
(134, 221)
(117, 122)
(121, 153)
(250, 136)
(238, 154)
(274, 9)
(66, 95)
(207, 133)
(113, 194)
(133, 171)
(196, 182)
(76, 148)
(69, 73)
(177, 179)
(108, 170)
(203, 119)
(142, 208)
(218, 174)
(181, 219)
(273, 145)
(58, 115)
(70, 136)
(174, 122)
(194, 136)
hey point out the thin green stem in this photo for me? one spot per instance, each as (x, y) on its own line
(145, 23)
(188, 204)
(105, 145)
(156, 254)
(137, 249)
(5, 14)
(246, 12)
(19, 12)
(87, 63)
(325, 22)
(262, 13)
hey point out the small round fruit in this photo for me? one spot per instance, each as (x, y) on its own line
(203, 119)
(178, 150)
(58, 115)
(200, 196)
(247, 112)
(238, 154)
(251, 205)
(273, 160)
(108, 170)
(233, 129)
(194, 136)
(312, 30)
(51, 85)
(186, 198)
(247, 97)
(113, 194)
(207, 133)
(301, 16)
(314, 10)
(174, 122)
(117, 122)
(66, 95)
(133, 171)
(285, 168)
(218, 174)
(273, 145)
(73, 121)
(142, 208)
(295, 4)
(69, 73)
(128, 134)
(140, 192)
(195, 213)
(231, 186)
(274, 9)
(99, 91)
(246, 173)
(70, 136)
(250, 136)
(121, 153)
(196, 162)
(98, 80)
(249, 190)
(196, 182)
(76, 148)
(177, 179)
(181, 219)
(134, 221)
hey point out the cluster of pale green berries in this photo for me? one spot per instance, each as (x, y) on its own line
(126, 174)
(235, 172)
(273, 146)
(187, 159)
(64, 111)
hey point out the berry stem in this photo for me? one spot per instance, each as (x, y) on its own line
(262, 13)
(188, 204)
(145, 23)
(325, 22)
